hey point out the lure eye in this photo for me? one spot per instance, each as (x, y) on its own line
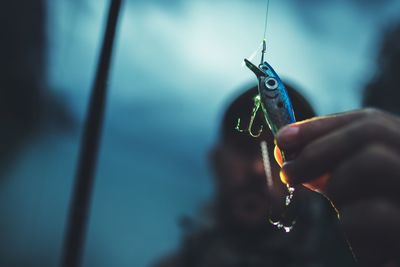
(271, 83)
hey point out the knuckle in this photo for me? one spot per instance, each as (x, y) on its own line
(368, 130)
(365, 160)
(373, 112)
(379, 115)
(376, 160)
(382, 157)
(373, 152)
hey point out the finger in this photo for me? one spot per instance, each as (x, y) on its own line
(372, 230)
(325, 153)
(296, 135)
(374, 172)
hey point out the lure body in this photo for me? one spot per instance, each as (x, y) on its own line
(275, 101)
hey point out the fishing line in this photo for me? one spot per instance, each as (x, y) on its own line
(264, 41)
(262, 47)
(266, 22)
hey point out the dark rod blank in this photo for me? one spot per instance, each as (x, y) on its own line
(75, 233)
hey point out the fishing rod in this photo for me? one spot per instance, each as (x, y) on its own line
(75, 233)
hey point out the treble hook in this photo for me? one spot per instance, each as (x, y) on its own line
(257, 104)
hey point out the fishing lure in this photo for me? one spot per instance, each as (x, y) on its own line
(274, 101)
(272, 98)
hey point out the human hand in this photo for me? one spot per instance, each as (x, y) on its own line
(354, 160)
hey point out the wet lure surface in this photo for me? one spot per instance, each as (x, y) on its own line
(273, 97)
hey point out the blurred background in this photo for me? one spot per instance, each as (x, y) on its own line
(175, 65)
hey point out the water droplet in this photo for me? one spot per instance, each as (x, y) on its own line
(288, 200)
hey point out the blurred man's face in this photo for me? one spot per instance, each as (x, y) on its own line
(243, 194)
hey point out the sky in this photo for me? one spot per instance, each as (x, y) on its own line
(176, 64)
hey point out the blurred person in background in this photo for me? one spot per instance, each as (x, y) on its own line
(235, 230)
(353, 158)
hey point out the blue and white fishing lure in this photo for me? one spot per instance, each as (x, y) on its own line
(272, 98)
(275, 102)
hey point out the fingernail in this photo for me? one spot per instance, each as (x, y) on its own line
(288, 133)
(278, 156)
(283, 177)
